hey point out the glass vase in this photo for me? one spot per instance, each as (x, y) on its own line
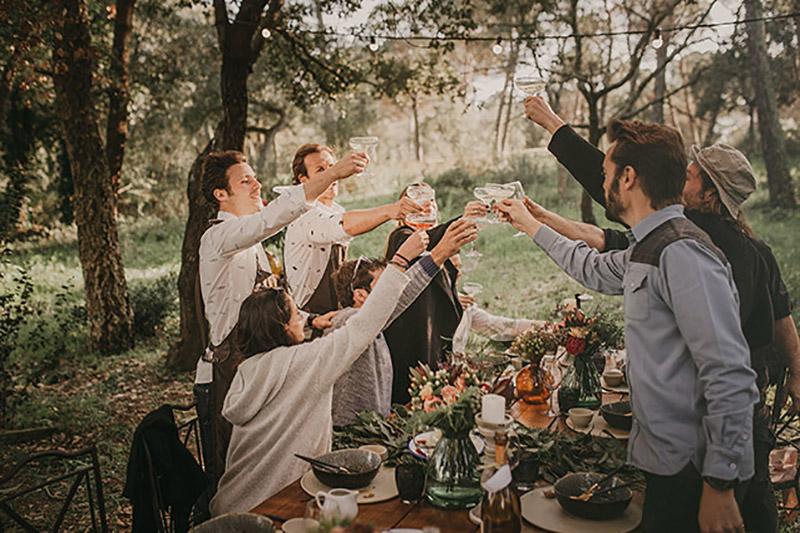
(453, 479)
(580, 386)
(530, 385)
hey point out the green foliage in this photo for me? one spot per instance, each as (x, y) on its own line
(15, 298)
(153, 300)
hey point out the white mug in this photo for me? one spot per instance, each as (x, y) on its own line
(341, 502)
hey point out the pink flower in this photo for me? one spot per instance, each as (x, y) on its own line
(426, 391)
(432, 403)
(449, 394)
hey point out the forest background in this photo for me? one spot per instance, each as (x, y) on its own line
(107, 108)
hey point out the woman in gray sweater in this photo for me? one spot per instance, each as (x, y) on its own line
(280, 399)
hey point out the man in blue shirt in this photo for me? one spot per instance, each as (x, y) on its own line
(692, 389)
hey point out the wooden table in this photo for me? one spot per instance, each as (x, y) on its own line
(291, 501)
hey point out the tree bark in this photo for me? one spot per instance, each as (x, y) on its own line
(595, 133)
(660, 83)
(240, 45)
(772, 144)
(119, 91)
(110, 315)
(415, 115)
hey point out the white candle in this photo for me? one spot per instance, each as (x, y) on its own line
(493, 409)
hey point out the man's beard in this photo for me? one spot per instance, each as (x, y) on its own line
(614, 209)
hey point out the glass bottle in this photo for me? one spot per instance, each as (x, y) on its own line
(500, 509)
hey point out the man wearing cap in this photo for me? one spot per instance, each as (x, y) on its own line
(718, 181)
(692, 390)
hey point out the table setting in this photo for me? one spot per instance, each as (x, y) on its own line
(423, 463)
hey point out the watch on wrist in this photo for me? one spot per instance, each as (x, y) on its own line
(310, 320)
(720, 484)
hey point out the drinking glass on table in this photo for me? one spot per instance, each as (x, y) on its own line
(364, 144)
(552, 380)
(410, 481)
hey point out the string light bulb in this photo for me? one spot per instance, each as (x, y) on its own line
(265, 33)
(498, 47)
(373, 44)
(658, 42)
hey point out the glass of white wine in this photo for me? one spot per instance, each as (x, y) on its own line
(472, 289)
(530, 84)
(424, 195)
(364, 144)
(499, 193)
(484, 195)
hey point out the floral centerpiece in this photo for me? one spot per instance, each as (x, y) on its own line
(448, 399)
(532, 381)
(586, 338)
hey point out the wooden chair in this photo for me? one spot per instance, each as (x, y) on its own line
(189, 435)
(13, 488)
(787, 436)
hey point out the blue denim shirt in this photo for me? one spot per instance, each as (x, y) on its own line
(692, 388)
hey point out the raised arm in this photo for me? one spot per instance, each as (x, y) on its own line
(241, 233)
(602, 272)
(571, 229)
(364, 220)
(582, 159)
(352, 163)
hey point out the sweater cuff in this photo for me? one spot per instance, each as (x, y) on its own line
(428, 265)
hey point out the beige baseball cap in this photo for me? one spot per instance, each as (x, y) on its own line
(730, 171)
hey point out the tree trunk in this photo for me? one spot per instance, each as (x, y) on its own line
(184, 353)
(239, 52)
(110, 315)
(660, 82)
(515, 55)
(778, 178)
(417, 139)
(119, 91)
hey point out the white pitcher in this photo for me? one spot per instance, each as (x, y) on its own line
(341, 502)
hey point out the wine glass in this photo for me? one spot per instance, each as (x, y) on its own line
(552, 380)
(484, 195)
(364, 144)
(530, 84)
(472, 289)
(423, 194)
(499, 193)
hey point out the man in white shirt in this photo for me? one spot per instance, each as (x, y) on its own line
(316, 243)
(232, 263)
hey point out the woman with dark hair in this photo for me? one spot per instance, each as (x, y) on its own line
(423, 332)
(367, 384)
(280, 399)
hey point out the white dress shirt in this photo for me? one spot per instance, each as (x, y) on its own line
(307, 248)
(228, 254)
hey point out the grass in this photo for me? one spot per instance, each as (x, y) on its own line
(88, 397)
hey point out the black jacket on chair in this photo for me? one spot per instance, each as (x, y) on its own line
(424, 331)
(177, 474)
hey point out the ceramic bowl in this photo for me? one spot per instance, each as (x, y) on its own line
(603, 506)
(363, 464)
(613, 377)
(580, 417)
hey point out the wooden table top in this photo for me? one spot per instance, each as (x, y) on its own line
(291, 502)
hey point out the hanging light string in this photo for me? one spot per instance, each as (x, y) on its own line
(499, 40)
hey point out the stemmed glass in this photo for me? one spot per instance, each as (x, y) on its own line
(499, 193)
(552, 380)
(364, 144)
(422, 194)
(530, 84)
(472, 289)
(484, 195)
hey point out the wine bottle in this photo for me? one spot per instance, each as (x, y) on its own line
(500, 509)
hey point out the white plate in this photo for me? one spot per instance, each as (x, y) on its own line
(621, 388)
(381, 489)
(424, 443)
(546, 513)
(596, 427)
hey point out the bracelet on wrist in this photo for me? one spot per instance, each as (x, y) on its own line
(400, 259)
(310, 320)
(398, 264)
(403, 258)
